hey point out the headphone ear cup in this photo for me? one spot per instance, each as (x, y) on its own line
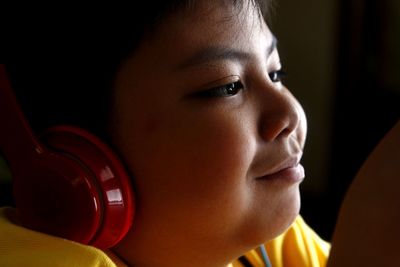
(52, 195)
(108, 185)
(75, 187)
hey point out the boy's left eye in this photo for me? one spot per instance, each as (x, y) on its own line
(276, 76)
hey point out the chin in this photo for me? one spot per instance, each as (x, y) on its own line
(286, 215)
(268, 224)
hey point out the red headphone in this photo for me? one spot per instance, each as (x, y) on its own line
(68, 184)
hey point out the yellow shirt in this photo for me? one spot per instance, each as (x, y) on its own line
(299, 246)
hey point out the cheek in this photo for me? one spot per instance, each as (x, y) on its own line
(193, 167)
(201, 154)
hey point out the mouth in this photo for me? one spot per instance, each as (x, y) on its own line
(289, 170)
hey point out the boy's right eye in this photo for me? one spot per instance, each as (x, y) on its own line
(226, 90)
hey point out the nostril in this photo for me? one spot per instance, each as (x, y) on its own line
(276, 128)
(281, 122)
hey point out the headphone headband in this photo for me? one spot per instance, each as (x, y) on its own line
(16, 137)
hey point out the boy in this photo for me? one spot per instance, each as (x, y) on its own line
(212, 141)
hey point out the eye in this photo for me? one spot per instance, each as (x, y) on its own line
(226, 90)
(277, 76)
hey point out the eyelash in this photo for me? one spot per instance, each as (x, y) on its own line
(226, 90)
(234, 88)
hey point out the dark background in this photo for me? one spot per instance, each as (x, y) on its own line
(343, 61)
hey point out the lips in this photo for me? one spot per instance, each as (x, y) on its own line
(292, 174)
(289, 170)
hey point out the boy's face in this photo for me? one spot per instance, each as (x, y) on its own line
(197, 145)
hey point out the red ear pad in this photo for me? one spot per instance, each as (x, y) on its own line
(55, 195)
(106, 187)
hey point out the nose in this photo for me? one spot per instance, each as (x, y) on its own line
(281, 114)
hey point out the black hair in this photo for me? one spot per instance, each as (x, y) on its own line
(62, 68)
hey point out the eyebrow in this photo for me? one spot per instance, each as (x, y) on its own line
(215, 53)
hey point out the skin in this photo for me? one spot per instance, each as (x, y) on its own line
(195, 156)
(367, 231)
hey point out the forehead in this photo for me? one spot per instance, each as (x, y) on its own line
(187, 33)
(207, 18)
(208, 23)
